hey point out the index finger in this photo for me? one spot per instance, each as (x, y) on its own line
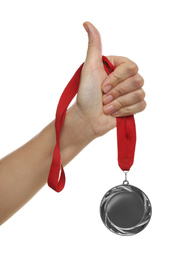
(124, 68)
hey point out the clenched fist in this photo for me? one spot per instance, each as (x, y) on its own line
(102, 98)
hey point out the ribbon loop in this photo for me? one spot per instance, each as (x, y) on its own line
(126, 133)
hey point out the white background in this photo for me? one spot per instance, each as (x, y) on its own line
(42, 43)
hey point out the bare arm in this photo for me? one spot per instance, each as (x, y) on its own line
(25, 171)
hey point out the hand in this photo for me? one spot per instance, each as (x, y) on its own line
(102, 98)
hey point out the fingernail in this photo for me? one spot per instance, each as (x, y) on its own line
(109, 109)
(86, 27)
(115, 113)
(107, 99)
(107, 88)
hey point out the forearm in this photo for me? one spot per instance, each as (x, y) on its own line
(25, 171)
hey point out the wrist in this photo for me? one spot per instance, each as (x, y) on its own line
(76, 134)
(83, 123)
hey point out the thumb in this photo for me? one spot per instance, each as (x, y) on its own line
(94, 53)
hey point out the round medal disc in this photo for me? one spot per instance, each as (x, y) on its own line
(125, 210)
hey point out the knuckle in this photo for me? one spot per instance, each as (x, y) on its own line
(117, 92)
(138, 81)
(125, 59)
(127, 111)
(132, 67)
(120, 103)
(139, 95)
(143, 105)
(116, 77)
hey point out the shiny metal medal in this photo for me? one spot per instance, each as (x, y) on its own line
(125, 209)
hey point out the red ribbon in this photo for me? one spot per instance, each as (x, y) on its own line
(126, 132)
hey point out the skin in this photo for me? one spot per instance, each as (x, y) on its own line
(99, 101)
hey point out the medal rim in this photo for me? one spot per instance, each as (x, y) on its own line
(130, 230)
